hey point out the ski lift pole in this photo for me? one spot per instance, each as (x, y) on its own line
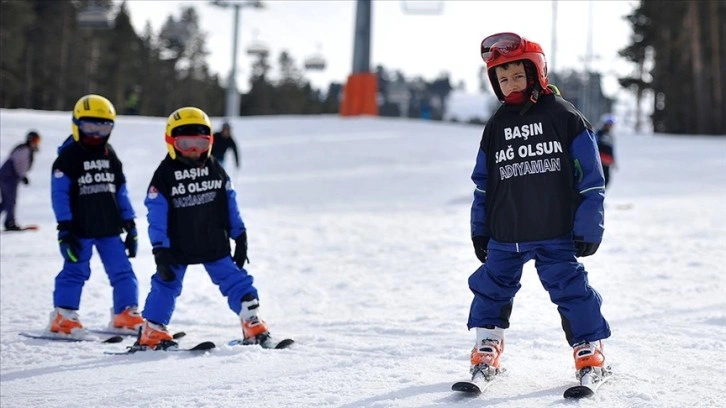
(361, 89)
(232, 105)
(232, 97)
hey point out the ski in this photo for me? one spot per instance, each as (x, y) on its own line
(201, 347)
(60, 337)
(590, 381)
(266, 342)
(471, 387)
(127, 333)
(482, 378)
(31, 227)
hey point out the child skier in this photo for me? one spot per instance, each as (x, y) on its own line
(92, 208)
(539, 196)
(13, 172)
(192, 214)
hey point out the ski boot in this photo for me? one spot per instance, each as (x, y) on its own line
(590, 362)
(591, 369)
(254, 330)
(487, 352)
(65, 322)
(128, 321)
(155, 337)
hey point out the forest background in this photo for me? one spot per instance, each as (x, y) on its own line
(678, 51)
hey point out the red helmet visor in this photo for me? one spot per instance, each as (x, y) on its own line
(509, 44)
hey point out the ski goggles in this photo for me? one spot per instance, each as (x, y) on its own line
(94, 127)
(508, 44)
(192, 144)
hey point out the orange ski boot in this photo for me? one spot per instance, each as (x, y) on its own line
(588, 355)
(66, 322)
(129, 320)
(155, 336)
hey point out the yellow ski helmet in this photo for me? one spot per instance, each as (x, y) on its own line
(93, 107)
(187, 116)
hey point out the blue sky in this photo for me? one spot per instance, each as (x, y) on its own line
(419, 45)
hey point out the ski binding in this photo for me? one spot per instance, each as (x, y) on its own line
(481, 378)
(591, 379)
(265, 341)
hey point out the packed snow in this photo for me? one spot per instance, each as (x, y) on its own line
(359, 244)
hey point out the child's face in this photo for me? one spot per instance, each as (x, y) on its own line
(193, 155)
(511, 77)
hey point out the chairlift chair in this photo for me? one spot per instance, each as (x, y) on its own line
(94, 17)
(315, 63)
(422, 7)
(259, 49)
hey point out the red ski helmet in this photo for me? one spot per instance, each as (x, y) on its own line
(502, 48)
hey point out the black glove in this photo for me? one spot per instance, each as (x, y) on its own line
(132, 238)
(25, 180)
(480, 247)
(583, 248)
(164, 261)
(68, 242)
(240, 250)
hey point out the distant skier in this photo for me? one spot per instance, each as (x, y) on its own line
(606, 146)
(224, 141)
(13, 172)
(539, 196)
(92, 208)
(192, 214)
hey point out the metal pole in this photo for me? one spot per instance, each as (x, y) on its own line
(589, 112)
(553, 51)
(362, 40)
(232, 107)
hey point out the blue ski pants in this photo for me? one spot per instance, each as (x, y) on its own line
(69, 282)
(233, 282)
(497, 281)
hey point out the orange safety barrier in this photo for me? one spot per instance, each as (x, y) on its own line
(360, 95)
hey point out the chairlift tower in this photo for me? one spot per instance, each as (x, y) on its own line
(232, 103)
(360, 95)
(553, 42)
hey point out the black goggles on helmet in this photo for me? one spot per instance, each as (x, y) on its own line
(94, 127)
(509, 44)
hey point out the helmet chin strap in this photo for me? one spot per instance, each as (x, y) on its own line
(533, 97)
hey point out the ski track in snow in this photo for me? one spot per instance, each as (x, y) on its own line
(359, 245)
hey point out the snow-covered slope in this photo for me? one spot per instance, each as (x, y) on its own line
(359, 245)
